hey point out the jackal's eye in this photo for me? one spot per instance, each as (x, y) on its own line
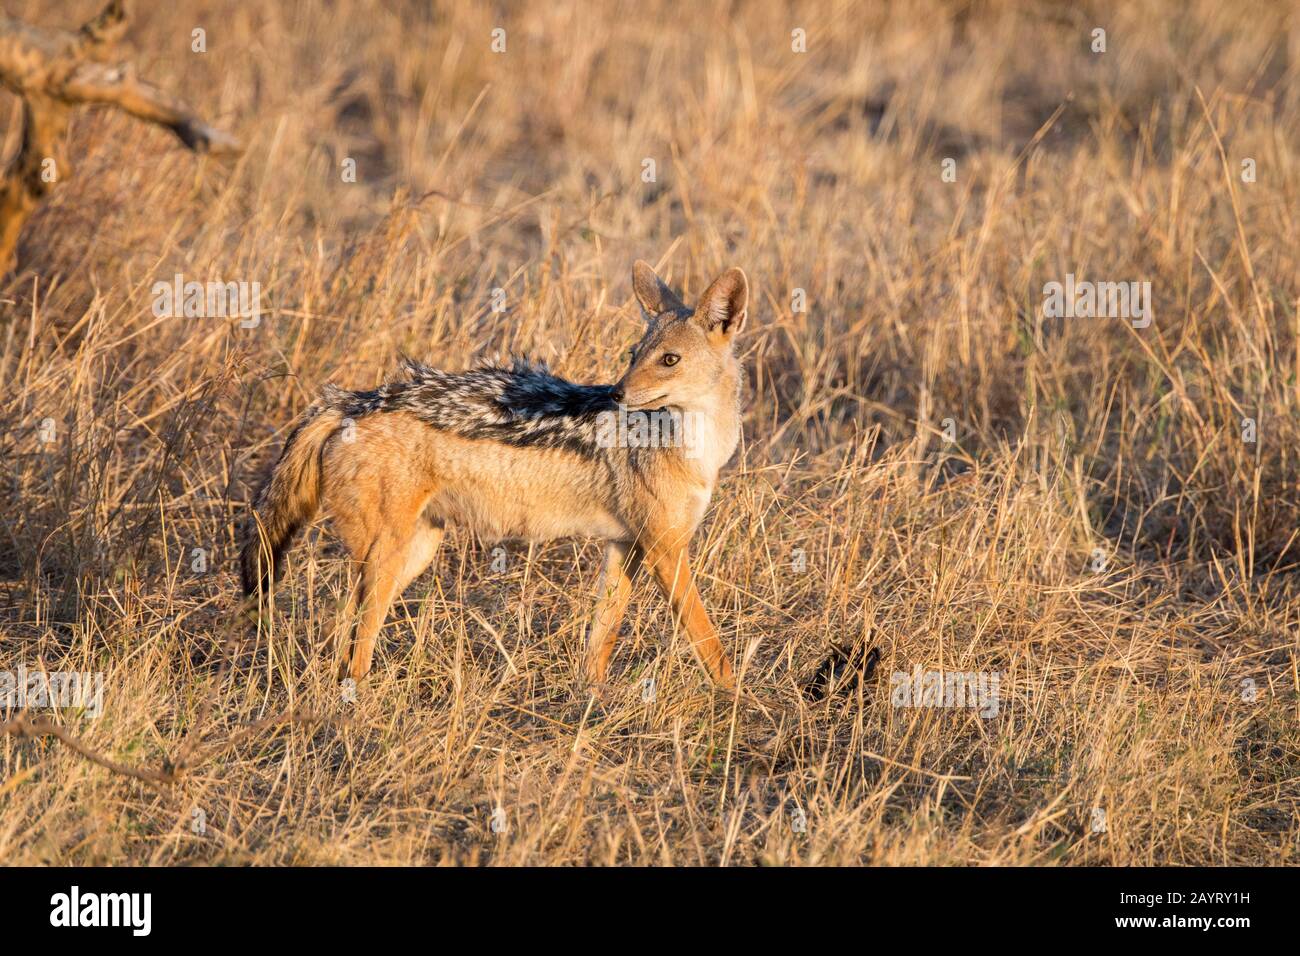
(671, 359)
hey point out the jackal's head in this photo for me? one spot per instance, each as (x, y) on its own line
(687, 357)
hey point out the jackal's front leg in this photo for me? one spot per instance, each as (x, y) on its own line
(612, 594)
(672, 572)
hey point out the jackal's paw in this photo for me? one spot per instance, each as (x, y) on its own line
(599, 691)
(349, 672)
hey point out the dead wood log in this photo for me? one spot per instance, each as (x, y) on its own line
(55, 70)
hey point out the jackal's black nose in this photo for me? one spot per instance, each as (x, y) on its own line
(617, 394)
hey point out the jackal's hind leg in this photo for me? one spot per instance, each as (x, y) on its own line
(421, 552)
(388, 552)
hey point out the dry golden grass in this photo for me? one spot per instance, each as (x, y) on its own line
(1122, 689)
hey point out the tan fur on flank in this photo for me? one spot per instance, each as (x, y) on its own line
(517, 453)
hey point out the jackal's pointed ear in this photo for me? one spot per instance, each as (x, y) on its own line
(725, 305)
(651, 291)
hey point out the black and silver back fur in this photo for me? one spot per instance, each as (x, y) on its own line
(519, 404)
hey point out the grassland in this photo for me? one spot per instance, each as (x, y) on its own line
(1091, 524)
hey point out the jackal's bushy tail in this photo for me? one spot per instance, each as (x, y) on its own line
(291, 495)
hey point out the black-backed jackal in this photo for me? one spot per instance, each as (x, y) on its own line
(515, 452)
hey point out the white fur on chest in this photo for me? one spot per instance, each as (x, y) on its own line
(710, 443)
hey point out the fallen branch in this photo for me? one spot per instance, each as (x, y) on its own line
(169, 773)
(56, 70)
(22, 727)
